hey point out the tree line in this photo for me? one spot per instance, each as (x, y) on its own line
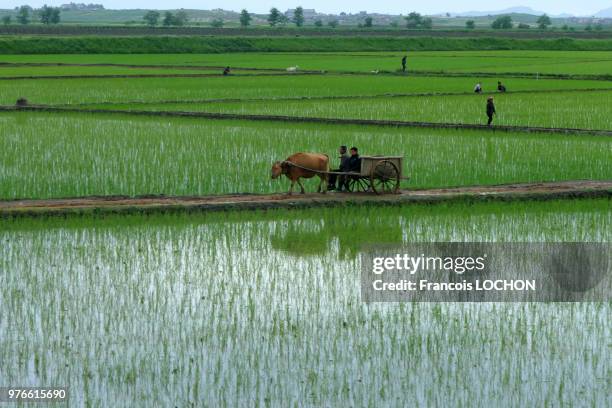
(26, 15)
(506, 23)
(276, 18)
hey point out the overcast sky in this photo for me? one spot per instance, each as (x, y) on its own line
(584, 7)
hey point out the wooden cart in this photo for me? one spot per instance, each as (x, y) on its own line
(378, 174)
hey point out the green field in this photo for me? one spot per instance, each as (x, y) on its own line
(543, 62)
(82, 154)
(263, 308)
(587, 110)
(203, 310)
(89, 42)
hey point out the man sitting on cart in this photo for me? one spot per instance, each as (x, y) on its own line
(354, 162)
(353, 165)
(344, 158)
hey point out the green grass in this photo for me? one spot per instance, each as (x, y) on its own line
(523, 61)
(227, 311)
(123, 90)
(588, 110)
(210, 44)
(12, 71)
(54, 155)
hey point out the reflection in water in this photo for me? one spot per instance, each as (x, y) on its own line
(264, 308)
(299, 239)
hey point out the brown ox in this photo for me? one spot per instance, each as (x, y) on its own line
(296, 166)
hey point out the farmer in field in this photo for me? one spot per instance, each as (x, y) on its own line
(344, 157)
(478, 88)
(490, 110)
(226, 71)
(500, 87)
(404, 64)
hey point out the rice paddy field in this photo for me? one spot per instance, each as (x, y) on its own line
(231, 311)
(263, 308)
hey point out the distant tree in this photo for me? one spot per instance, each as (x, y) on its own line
(368, 22)
(318, 23)
(45, 14)
(6, 20)
(274, 16)
(502, 22)
(524, 26)
(245, 18)
(543, 22)
(333, 23)
(151, 18)
(217, 23)
(394, 23)
(470, 24)
(180, 19)
(598, 27)
(298, 16)
(23, 15)
(55, 15)
(414, 20)
(168, 19)
(565, 27)
(588, 28)
(283, 19)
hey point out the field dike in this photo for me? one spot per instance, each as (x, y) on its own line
(148, 204)
(302, 119)
(327, 97)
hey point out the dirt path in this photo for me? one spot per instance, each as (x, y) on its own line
(535, 191)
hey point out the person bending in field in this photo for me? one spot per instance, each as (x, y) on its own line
(404, 64)
(478, 88)
(490, 110)
(500, 87)
(344, 158)
(226, 71)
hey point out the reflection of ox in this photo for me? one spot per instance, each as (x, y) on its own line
(299, 165)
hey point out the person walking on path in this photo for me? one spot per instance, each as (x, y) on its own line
(404, 64)
(490, 110)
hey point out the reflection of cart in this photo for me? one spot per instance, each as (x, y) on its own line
(380, 174)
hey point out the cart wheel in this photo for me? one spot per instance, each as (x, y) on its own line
(357, 184)
(385, 177)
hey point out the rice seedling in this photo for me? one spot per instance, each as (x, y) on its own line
(523, 61)
(55, 155)
(587, 110)
(123, 90)
(220, 311)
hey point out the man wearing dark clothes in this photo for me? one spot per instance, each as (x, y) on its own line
(500, 87)
(404, 64)
(354, 162)
(343, 167)
(490, 110)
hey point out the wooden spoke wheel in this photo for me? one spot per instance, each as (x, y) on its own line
(356, 184)
(385, 178)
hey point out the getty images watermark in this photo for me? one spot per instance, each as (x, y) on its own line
(487, 272)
